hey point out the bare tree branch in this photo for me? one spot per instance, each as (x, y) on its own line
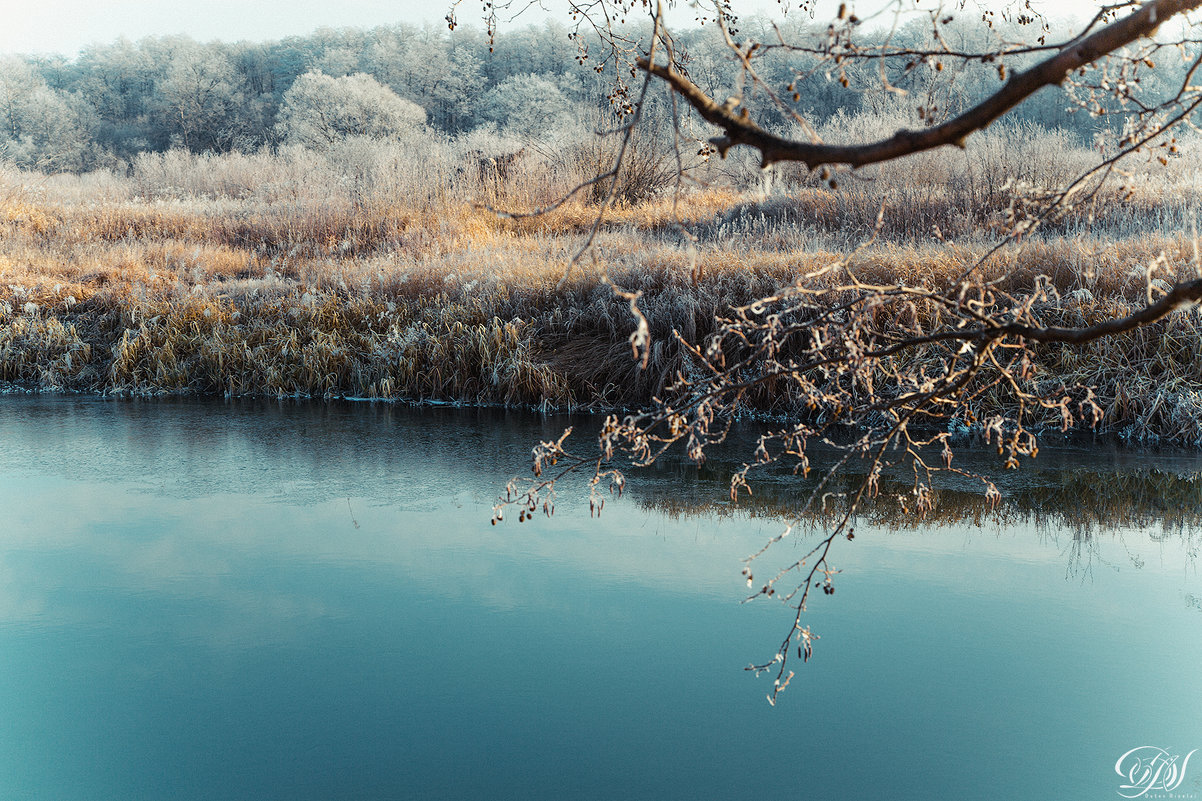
(871, 375)
(741, 130)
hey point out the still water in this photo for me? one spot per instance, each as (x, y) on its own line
(206, 600)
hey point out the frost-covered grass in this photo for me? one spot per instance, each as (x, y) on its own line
(357, 273)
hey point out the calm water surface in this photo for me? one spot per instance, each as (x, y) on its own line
(254, 601)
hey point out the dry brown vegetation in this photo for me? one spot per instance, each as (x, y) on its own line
(295, 274)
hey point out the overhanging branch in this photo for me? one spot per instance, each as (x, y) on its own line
(741, 130)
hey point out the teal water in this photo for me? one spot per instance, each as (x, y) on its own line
(207, 600)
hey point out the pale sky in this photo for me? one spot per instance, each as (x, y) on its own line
(65, 26)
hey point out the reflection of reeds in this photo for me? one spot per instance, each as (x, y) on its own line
(1073, 496)
(251, 276)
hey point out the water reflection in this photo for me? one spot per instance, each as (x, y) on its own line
(1087, 489)
(297, 452)
(260, 600)
(1069, 497)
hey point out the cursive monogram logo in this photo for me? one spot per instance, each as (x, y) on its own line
(1148, 769)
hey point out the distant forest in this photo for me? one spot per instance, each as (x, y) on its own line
(533, 84)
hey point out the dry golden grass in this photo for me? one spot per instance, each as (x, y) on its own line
(440, 299)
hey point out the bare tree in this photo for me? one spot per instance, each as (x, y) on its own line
(884, 376)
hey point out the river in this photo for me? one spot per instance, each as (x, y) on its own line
(258, 600)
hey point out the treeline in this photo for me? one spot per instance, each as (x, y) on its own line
(115, 101)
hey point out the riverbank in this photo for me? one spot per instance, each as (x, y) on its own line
(444, 301)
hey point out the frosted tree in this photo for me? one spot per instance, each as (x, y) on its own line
(17, 82)
(118, 80)
(319, 110)
(198, 94)
(41, 127)
(443, 74)
(337, 62)
(527, 106)
(57, 131)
